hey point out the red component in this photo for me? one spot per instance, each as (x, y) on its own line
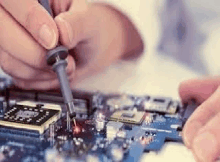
(76, 129)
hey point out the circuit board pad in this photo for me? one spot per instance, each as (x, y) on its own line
(110, 127)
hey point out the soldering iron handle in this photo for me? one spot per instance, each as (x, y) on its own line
(46, 5)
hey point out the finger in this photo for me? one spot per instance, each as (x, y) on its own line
(199, 89)
(60, 6)
(91, 69)
(19, 70)
(206, 144)
(35, 19)
(36, 85)
(19, 43)
(40, 85)
(200, 117)
(47, 83)
(72, 24)
(96, 64)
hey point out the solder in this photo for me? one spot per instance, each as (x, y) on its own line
(56, 58)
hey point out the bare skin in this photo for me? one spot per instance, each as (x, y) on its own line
(202, 132)
(96, 35)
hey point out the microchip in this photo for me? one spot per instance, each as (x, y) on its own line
(120, 102)
(126, 116)
(30, 116)
(161, 105)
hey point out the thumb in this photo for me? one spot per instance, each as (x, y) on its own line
(35, 19)
(198, 89)
(71, 24)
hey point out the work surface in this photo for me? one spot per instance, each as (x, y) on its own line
(152, 74)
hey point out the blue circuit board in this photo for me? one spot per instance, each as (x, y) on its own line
(109, 127)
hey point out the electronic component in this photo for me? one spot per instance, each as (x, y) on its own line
(120, 102)
(110, 127)
(31, 116)
(121, 134)
(146, 140)
(80, 106)
(149, 118)
(127, 116)
(100, 122)
(160, 104)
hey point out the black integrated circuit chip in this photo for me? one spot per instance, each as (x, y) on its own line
(31, 117)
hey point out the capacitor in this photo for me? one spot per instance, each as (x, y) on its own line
(100, 125)
(100, 122)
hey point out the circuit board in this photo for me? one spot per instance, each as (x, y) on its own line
(34, 126)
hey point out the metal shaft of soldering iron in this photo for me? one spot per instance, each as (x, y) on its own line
(59, 67)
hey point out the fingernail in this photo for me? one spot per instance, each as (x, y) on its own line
(205, 145)
(190, 131)
(47, 36)
(68, 28)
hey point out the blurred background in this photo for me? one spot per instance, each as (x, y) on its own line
(181, 42)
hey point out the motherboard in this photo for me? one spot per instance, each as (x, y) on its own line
(35, 126)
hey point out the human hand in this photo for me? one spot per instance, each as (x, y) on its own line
(95, 34)
(201, 132)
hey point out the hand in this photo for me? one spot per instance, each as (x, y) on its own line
(201, 133)
(96, 35)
